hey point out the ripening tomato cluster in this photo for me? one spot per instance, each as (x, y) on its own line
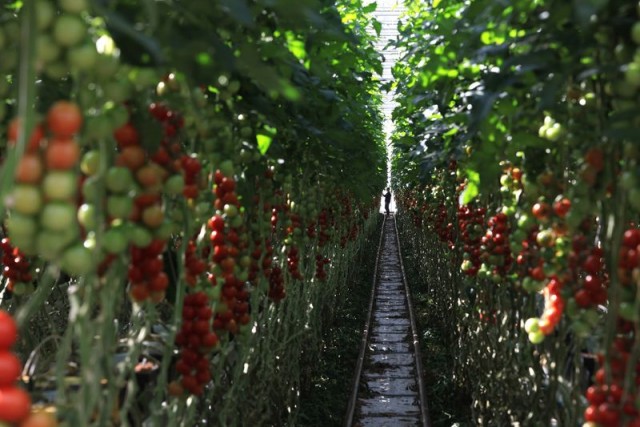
(470, 224)
(443, 227)
(609, 404)
(15, 403)
(530, 263)
(17, 268)
(195, 340)
(495, 245)
(195, 265)
(628, 271)
(229, 242)
(44, 200)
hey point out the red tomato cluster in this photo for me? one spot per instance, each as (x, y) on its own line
(321, 262)
(293, 263)
(495, 244)
(470, 221)
(229, 241)
(439, 217)
(17, 268)
(15, 403)
(324, 222)
(586, 267)
(146, 273)
(609, 404)
(195, 339)
(276, 284)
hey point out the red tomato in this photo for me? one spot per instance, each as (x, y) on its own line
(126, 135)
(132, 157)
(62, 154)
(8, 331)
(64, 119)
(29, 169)
(9, 368)
(15, 404)
(36, 136)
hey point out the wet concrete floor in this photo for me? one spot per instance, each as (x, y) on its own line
(388, 394)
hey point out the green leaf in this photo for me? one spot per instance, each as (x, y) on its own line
(264, 142)
(370, 8)
(377, 26)
(472, 189)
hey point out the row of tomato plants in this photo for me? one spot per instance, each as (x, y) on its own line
(176, 220)
(516, 171)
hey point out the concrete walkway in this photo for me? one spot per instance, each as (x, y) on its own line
(388, 394)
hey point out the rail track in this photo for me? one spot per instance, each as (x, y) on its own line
(388, 389)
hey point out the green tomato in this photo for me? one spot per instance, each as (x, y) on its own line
(106, 66)
(69, 30)
(632, 74)
(144, 77)
(117, 91)
(591, 316)
(139, 236)
(536, 337)
(627, 310)
(87, 216)
(532, 325)
(174, 185)
(45, 12)
(77, 261)
(119, 207)
(47, 50)
(58, 216)
(165, 231)
(231, 211)
(119, 179)
(635, 33)
(115, 240)
(634, 199)
(90, 163)
(21, 226)
(83, 57)
(59, 185)
(118, 115)
(581, 329)
(27, 199)
(73, 6)
(50, 245)
(226, 167)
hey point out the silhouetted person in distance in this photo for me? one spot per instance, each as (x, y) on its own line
(387, 200)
